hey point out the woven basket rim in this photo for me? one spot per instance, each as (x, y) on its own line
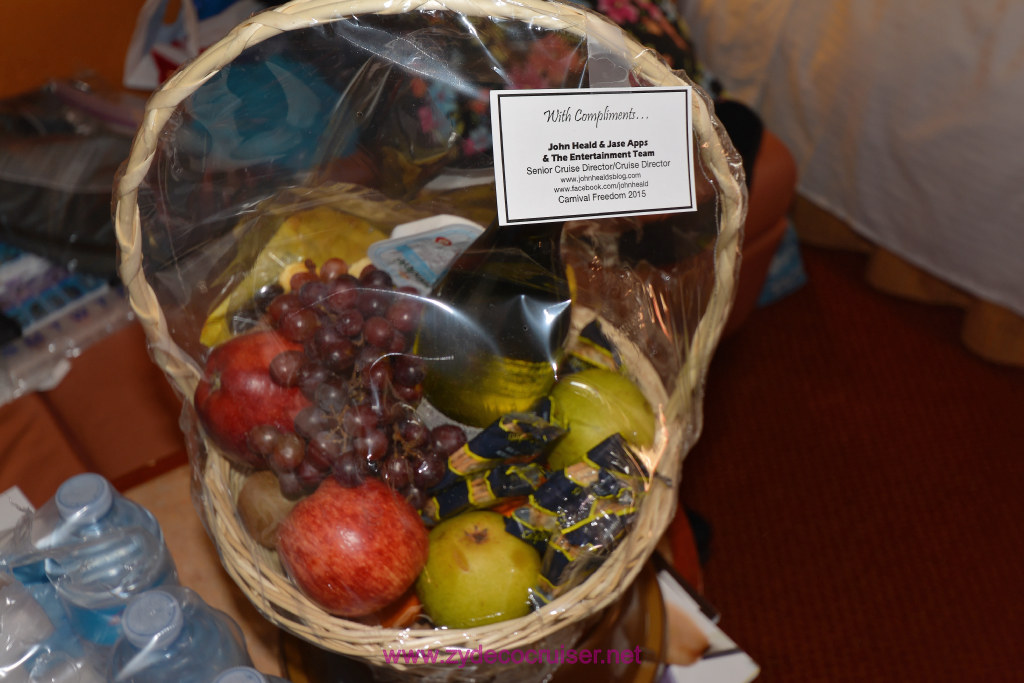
(284, 605)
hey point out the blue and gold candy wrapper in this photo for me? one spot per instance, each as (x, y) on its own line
(483, 489)
(573, 553)
(610, 470)
(533, 525)
(615, 455)
(513, 439)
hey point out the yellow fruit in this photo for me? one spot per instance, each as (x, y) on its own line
(318, 233)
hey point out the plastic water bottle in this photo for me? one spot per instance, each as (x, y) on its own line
(85, 506)
(246, 674)
(100, 549)
(172, 636)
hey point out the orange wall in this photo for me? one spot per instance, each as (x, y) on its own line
(56, 39)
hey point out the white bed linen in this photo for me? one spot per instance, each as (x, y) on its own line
(904, 117)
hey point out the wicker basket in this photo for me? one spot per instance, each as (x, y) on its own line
(257, 571)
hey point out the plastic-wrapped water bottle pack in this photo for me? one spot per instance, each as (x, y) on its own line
(89, 593)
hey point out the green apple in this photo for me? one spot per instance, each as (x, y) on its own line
(476, 573)
(593, 404)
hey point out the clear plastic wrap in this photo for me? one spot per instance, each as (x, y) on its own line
(37, 643)
(89, 549)
(309, 233)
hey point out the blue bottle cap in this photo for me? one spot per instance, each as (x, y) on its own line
(241, 674)
(152, 619)
(84, 498)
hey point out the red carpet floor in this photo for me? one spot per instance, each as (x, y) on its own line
(862, 474)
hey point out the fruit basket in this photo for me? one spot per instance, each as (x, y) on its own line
(369, 110)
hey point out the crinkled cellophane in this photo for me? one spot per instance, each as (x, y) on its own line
(676, 398)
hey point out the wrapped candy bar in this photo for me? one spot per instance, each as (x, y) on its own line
(483, 489)
(513, 438)
(531, 524)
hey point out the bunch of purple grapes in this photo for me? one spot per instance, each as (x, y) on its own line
(362, 380)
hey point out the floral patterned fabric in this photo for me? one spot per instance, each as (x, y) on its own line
(658, 25)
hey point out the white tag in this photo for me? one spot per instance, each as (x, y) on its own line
(591, 153)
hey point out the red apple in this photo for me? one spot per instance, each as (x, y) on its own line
(237, 393)
(353, 550)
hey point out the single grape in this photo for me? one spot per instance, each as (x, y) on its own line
(405, 313)
(447, 438)
(331, 396)
(412, 432)
(378, 332)
(333, 268)
(374, 302)
(359, 420)
(397, 473)
(416, 497)
(301, 278)
(399, 343)
(244, 319)
(266, 295)
(300, 325)
(350, 469)
(383, 406)
(289, 485)
(323, 338)
(289, 452)
(374, 446)
(342, 293)
(281, 306)
(349, 322)
(407, 371)
(365, 357)
(312, 420)
(339, 356)
(313, 292)
(410, 395)
(376, 278)
(286, 366)
(377, 375)
(261, 439)
(430, 470)
(324, 449)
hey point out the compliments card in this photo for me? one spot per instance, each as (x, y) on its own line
(592, 153)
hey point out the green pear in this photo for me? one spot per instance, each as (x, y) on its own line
(593, 404)
(476, 573)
